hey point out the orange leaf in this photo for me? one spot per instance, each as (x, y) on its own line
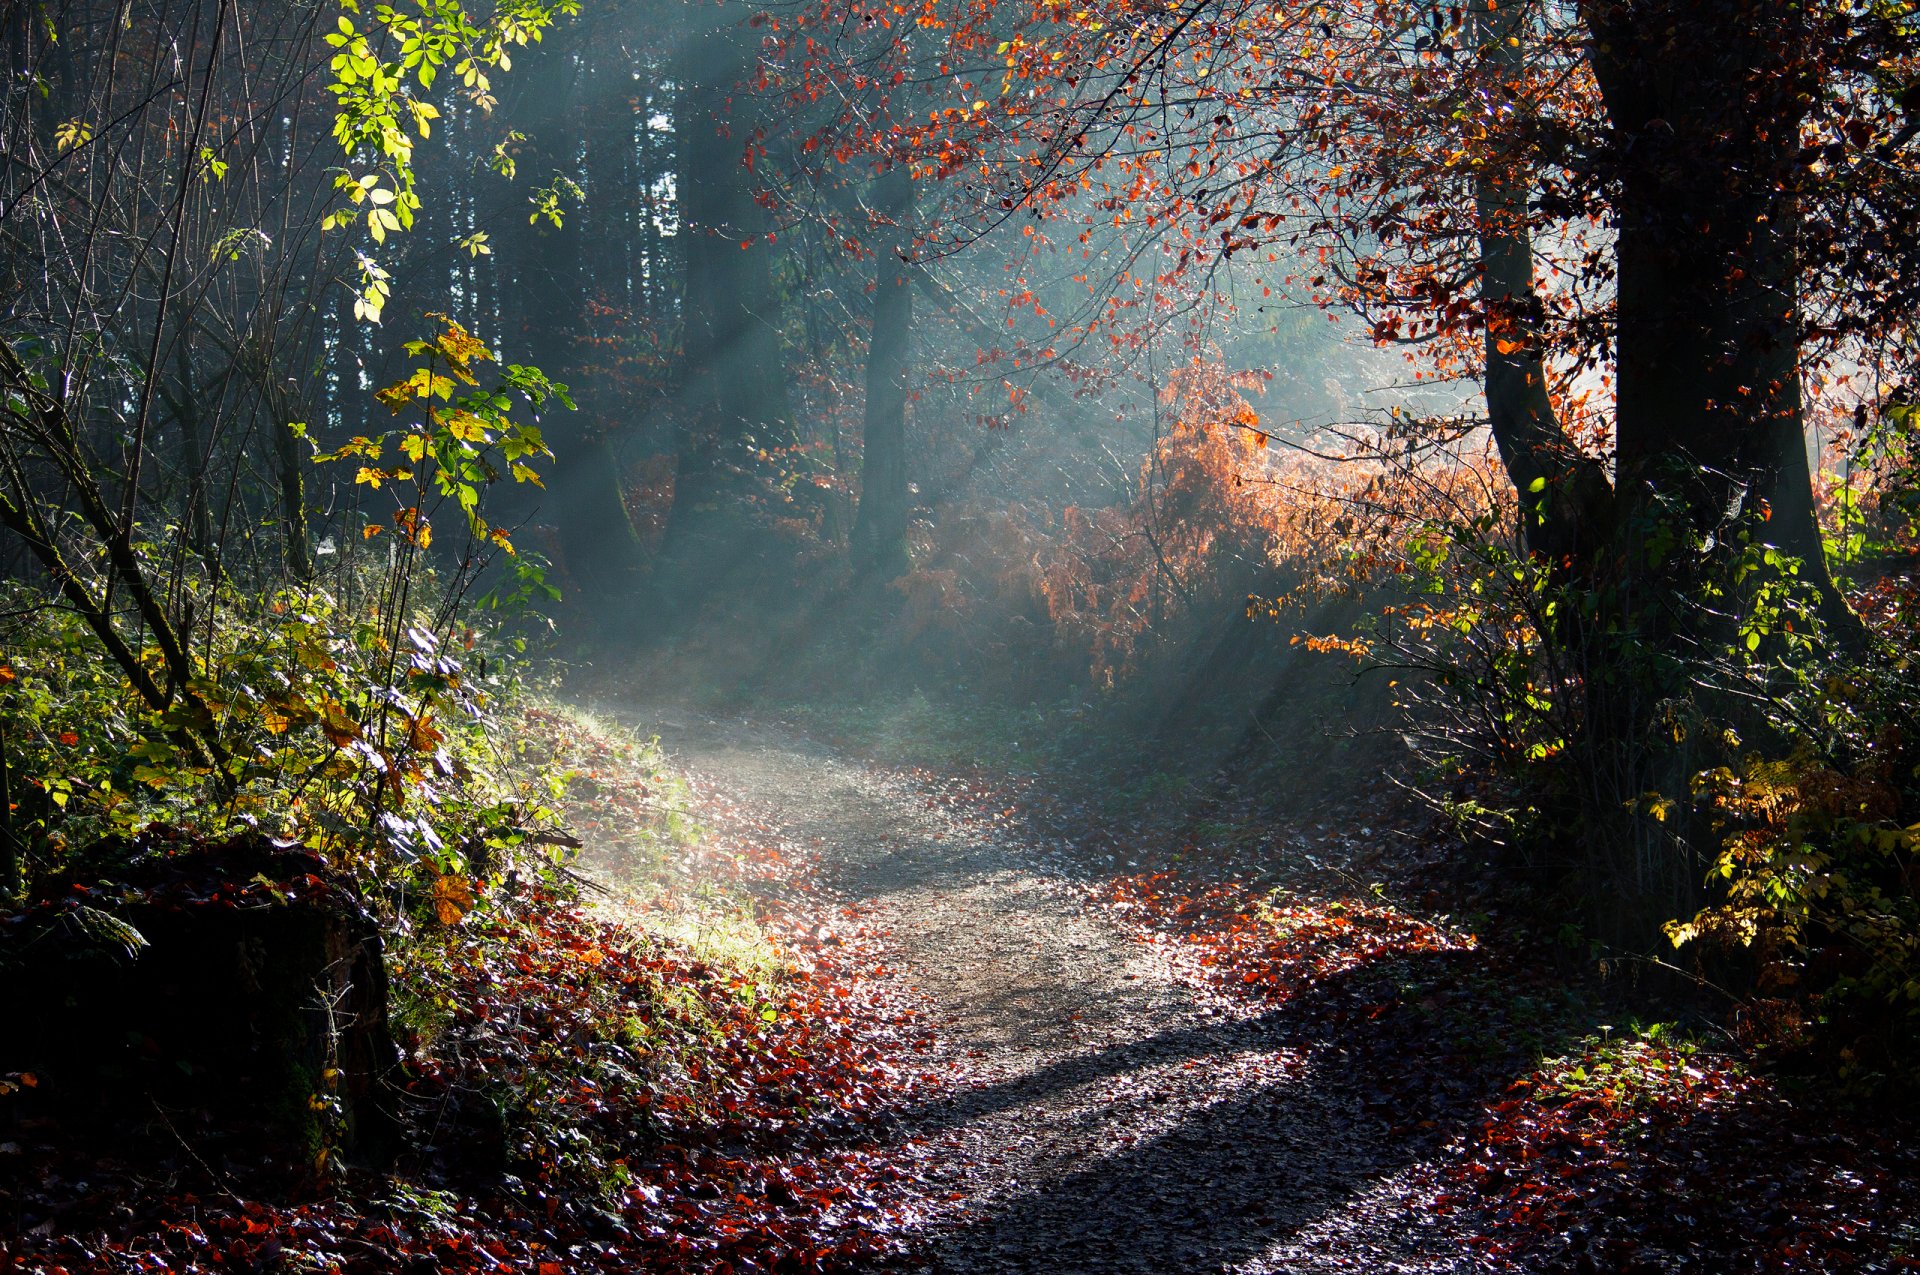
(452, 899)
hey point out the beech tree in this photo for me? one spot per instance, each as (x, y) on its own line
(1649, 229)
(1652, 192)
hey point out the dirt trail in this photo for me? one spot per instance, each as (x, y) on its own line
(1103, 1118)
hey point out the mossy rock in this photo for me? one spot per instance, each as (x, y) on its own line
(239, 982)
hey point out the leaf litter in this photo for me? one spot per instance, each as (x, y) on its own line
(586, 1088)
(1001, 1031)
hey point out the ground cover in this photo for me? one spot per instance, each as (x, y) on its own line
(590, 1079)
(1538, 1135)
(805, 1011)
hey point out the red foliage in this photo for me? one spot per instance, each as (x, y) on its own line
(1656, 1154)
(1235, 938)
(1640, 1156)
(1096, 587)
(769, 1153)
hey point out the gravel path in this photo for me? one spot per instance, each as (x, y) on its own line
(1102, 1117)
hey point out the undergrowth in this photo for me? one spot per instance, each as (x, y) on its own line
(636, 1074)
(1547, 1140)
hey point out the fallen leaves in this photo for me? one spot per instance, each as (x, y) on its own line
(1650, 1155)
(1233, 934)
(1638, 1153)
(659, 1119)
(580, 1095)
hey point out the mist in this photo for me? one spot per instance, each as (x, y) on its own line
(959, 635)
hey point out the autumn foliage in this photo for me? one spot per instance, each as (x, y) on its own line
(578, 1091)
(1632, 1149)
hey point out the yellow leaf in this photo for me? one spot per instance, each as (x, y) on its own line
(71, 134)
(465, 426)
(395, 396)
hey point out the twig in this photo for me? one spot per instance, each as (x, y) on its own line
(218, 1179)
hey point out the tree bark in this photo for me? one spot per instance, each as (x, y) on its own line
(1705, 106)
(1565, 498)
(732, 397)
(879, 546)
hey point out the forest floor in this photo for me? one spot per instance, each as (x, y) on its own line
(1147, 1061)
(1099, 1113)
(869, 1016)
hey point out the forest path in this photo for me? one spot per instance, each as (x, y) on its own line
(1101, 1116)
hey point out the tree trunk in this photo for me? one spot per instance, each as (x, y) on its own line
(195, 458)
(584, 498)
(732, 400)
(1705, 104)
(1565, 499)
(879, 547)
(1709, 432)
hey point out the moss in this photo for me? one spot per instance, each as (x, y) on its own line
(269, 1017)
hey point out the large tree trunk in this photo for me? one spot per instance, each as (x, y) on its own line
(1705, 104)
(1709, 443)
(879, 546)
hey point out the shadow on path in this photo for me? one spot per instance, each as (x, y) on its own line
(1105, 1116)
(1266, 1126)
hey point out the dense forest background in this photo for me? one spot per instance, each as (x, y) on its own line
(1501, 414)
